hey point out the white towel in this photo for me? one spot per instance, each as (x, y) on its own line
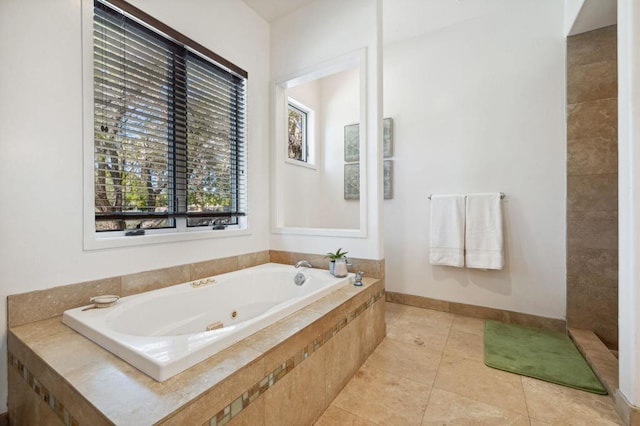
(483, 235)
(446, 246)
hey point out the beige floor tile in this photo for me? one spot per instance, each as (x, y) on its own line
(384, 398)
(534, 422)
(468, 325)
(446, 408)
(472, 379)
(557, 404)
(419, 333)
(392, 312)
(465, 345)
(335, 416)
(406, 360)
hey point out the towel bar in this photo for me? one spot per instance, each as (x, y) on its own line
(502, 195)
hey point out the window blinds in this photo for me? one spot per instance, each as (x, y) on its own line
(169, 129)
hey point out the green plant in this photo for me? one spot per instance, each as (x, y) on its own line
(339, 254)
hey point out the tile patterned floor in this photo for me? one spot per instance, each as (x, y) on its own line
(429, 370)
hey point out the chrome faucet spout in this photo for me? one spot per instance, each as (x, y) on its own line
(303, 263)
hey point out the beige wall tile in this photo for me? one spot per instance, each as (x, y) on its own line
(536, 321)
(478, 311)
(343, 357)
(593, 119)
(418, 301)
(153, 280)
(31, 410)
(335, 416)
(592, 155)
(593, 266)
(596, 80)
(213, 267)
(42, 304)
(278, 256)
(599, 357)
(253, 415)
(593, 46)
(253, 259)
(593, 193)
(594, 307)
(299, 397)
(592, 229)
(215, 399)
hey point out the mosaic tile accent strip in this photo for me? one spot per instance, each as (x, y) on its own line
(241, 402)
(43, 393)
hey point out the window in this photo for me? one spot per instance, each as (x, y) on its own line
(169, 127)
(298, 145)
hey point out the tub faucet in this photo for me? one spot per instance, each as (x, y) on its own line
(303, 263)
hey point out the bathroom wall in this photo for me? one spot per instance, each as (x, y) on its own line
(592, 183)
(41, 146)
(478, 106)
(316, 33)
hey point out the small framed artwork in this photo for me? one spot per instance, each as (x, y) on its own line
(387, 137)
(351, 143)
(388, 179)
(352, 181)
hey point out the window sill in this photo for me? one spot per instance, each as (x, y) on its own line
(301, 164)
(94, 241)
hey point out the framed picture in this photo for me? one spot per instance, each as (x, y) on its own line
(352, 181)
(387, 137)
(351, 143)
(388, 179)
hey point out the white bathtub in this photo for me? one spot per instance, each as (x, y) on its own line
(163, 332)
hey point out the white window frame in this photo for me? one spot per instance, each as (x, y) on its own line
(311, 162)
(93, 240)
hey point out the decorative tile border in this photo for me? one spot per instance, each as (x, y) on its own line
(43, 393)
(240, 403)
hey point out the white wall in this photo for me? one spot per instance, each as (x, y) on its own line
(629, 199)
(479, 106)
(41, 241)
(314, 34)
(571, 11)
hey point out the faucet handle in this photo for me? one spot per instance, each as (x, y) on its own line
(359, 276)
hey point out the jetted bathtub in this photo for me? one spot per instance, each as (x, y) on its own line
(164, 332)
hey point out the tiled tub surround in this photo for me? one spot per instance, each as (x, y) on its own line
(42, 304)
(163, 332)
(284, 374)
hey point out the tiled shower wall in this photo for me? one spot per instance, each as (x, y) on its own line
(592, 184)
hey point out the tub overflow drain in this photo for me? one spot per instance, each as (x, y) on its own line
(234, 314)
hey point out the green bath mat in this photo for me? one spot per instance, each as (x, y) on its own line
(542, 354)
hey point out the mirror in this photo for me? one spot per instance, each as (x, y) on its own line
(320, 150)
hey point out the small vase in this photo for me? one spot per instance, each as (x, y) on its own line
(332, 267)
(340, 269)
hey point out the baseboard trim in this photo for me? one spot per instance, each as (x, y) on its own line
(4, 419)
(478, 311)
